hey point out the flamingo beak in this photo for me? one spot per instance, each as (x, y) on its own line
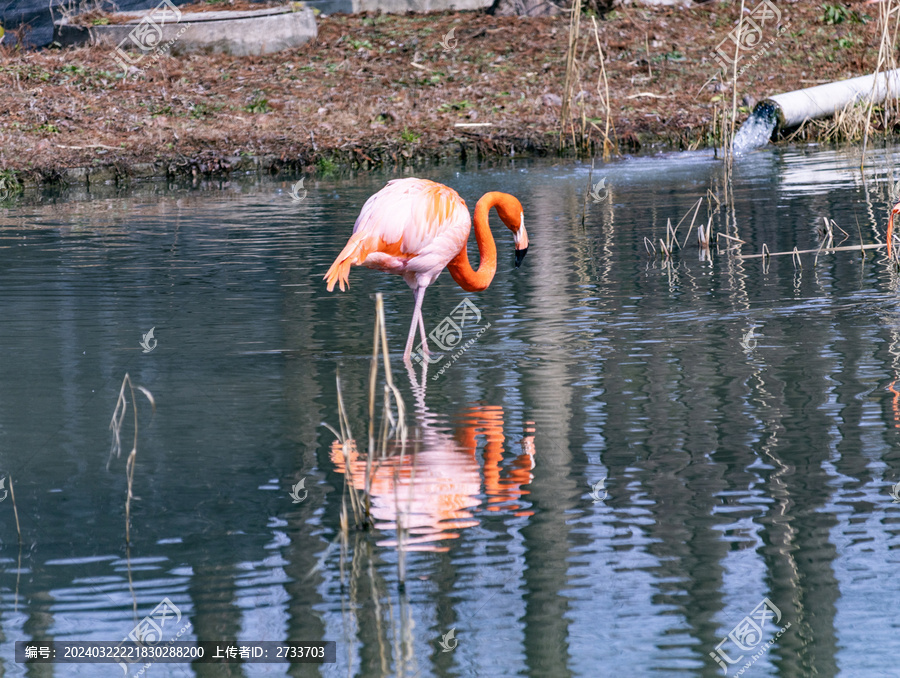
(521, 238)
(520, 255)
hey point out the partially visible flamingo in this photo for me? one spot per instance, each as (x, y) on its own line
(416, 228)
(890, 228)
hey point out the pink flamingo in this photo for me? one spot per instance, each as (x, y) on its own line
(415, 228)
(890, 228)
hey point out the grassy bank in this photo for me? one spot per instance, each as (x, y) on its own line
(375, 90)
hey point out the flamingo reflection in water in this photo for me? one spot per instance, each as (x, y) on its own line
(435, 485)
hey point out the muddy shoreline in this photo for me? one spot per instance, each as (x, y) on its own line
(386, 90)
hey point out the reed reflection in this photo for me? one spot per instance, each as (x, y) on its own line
(437, 486)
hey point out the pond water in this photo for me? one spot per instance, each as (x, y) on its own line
(631, 460)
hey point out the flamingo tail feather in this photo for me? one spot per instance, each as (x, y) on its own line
(339, 273)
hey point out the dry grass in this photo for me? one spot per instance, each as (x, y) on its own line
(350, 95)
(852, 123)
(115, 425)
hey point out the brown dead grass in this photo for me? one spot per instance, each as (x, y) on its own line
(356, 96)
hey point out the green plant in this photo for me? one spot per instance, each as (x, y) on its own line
(326, 166)
(409, 137)
(432, 80)
(845, 43)
(455, 106)
(834, 14)
(47, 127)
(9, 184)
(359, 44)
(674, 55)
(258, 105)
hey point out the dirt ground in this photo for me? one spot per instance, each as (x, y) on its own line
(397, 89)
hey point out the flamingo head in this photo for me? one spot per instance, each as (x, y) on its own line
(890, 227)
(511, 213)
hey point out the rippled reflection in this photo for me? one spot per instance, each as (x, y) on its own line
(742, 415)
(436, 483)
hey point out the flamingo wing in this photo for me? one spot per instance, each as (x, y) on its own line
(411, 226)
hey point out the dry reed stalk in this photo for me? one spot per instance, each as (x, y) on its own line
(587, 192)
(690, 228)
(665, 250)
(885, 58)
(569, 84)
(647, 52)
(390, 425)
(390, 389)
(795, 252)
(134, 604)
(12, 494)
(729, 150)
(116, 426)
(859, 232)
(719, 234)
(379, 630)
(401, 537)
(703, 237)
(608, 146)
(346, 439)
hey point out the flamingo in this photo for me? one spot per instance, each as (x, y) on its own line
(890, 228)
(416, 228)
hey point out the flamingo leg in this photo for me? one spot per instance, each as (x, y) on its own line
(417, 318)
(422, 335)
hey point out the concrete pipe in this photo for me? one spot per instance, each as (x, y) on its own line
(792, 109)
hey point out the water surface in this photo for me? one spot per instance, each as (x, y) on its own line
(744, 419)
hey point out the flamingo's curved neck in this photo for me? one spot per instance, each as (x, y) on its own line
(460, 268)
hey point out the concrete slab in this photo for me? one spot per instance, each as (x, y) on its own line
(168, 29)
